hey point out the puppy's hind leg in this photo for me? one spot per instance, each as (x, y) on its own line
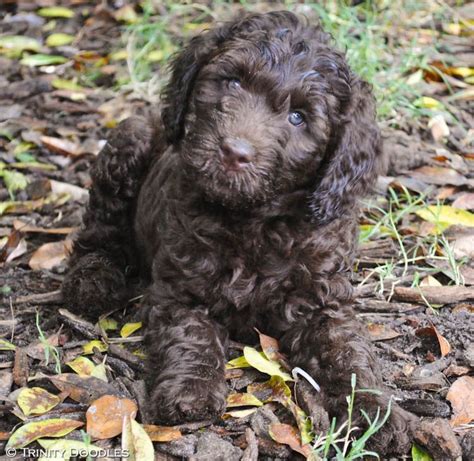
(104, 255)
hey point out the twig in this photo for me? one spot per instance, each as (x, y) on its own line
(435, 295)
(52, 297)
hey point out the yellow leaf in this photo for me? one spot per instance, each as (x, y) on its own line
(100, 372)
(426, 102)
(255, 359)
(444, 216)
(56, 12)
(82, 366)
(136, 441)
(242, 400)
(55, 427)
(130, 328)
(108, 324)
(94, 344)
(238, 362)
(59, 39)
(36, 401)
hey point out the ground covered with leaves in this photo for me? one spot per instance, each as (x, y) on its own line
(69, 73)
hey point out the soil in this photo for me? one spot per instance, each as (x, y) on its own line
(33, 108)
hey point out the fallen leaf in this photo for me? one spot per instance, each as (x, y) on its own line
(14, 247)
(108, 324)
(439, 176)
(288, 435)
(444, 345)
(271, 349)
(36, 60)
(419, 454)
(380, 332)
(100, 372)
(242, 400)
(61, 146)
(269, 367)
(94, 344)
(50, 255)
(59, 39)
(239, 413)
(238, 362)
(75, 192)
(105, 416)
(445, 216)
(162, 433)
(426, 102)
(136, 441)
(430, 281)
(461, 396)
(66, 449)
(36, 401)
(465, 201)
(82, 390)
(24, 227)
(130, 328)
(55, 427)
(56, 12)
(439, 128)
(82, 366)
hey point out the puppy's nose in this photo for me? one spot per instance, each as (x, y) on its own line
(236, 152)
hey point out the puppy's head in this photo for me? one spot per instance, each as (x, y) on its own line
(263, 106)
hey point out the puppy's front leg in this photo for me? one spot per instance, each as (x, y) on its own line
(186, 361)
(330, 346)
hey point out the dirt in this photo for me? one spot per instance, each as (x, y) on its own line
(414, 366)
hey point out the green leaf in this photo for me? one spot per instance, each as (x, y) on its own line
(419, 454)
(14, 181)
(62, 84)
(108, 324)
(42, 60)
(55, 427)
(19, 43)
(56, 12)
(59, 39)
(255, 359)
(6, 345)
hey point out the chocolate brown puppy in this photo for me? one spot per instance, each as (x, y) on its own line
(237, 208)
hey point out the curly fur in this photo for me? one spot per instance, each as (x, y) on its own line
(221, 252)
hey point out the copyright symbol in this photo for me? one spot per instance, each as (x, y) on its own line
(10, 452)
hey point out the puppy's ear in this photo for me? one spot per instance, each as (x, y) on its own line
(353, 160)
(185, 67)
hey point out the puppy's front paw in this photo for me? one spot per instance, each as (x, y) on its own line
(93, 286)
(196, 398)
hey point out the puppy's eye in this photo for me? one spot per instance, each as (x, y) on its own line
(234, 83)
(296, 118)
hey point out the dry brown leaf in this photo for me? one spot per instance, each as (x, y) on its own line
(444, 345)
(50, 255)
(288, 435)
(82, 390)
(380, 332)
(461, 396)
(75, 192)
(9, 251)
(271, 349)
(162, 433)
(439, 176)
(439, 128)
(105, 416)
(61, 146)
(24, 227)
(465, 201)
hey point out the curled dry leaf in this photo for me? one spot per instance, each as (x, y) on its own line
(37, 401)
(444, 346)
(136, 441)
(105, 416)
(271, 349)
(461, 396)
(162, 433)
(380, 332)
(288, 435)
(55, 427)
(50, 255)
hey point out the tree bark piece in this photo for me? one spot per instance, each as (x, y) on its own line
(435, 295)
